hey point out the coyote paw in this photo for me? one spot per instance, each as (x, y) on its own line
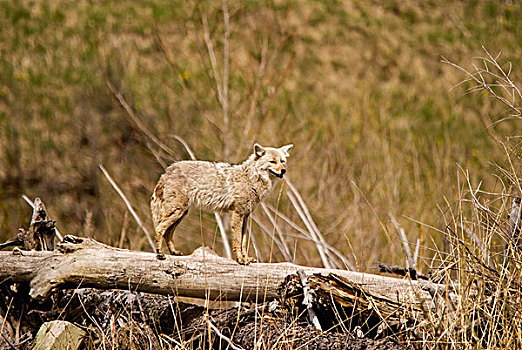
(246, 260)
(160, 256)
(251, 260)
(172, 249)
(17, 251)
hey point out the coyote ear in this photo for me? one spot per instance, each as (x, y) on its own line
(285, 149)
(259, 151)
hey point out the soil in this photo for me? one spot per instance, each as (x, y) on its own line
(127, 320)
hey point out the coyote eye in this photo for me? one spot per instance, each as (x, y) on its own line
(273, 162)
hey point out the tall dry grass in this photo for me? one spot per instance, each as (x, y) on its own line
(480, 260)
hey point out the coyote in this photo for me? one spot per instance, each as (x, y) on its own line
(218, 187)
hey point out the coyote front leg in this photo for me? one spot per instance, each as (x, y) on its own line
(244, 242)
(239, 234)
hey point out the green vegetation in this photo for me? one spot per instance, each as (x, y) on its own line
(357, 86)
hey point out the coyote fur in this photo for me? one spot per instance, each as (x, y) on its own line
(217, 187)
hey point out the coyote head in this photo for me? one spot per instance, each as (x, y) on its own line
(272, 159)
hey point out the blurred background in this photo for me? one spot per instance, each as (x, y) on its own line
(357, 86)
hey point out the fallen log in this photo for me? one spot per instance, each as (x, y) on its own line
(87, 263)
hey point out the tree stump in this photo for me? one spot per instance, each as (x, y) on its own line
(41, 233)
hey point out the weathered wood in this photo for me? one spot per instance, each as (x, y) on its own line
(41, 232)
(14, 242)
(57, 335)
(87, 263)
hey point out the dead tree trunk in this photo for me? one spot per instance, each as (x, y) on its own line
(87, 263)
(41, 232)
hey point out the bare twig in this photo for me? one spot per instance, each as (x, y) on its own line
(222, 336)
(129, 206)
(502, 80)
(302, 210)
(135, 118)
(8, 341)
(416, 252)
(410, 262)
(254, 243)
(224, 237)
(177, 343)
(93, 320)
(5, 322)
(186, 146)
(308, 300)
(485, 254)
(267, 231)
(305, 235)
(123, 230)
(212, 57)
(286, 251)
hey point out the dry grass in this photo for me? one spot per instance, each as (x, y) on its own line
(482, 253)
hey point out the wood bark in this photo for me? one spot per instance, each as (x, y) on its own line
(84, 262)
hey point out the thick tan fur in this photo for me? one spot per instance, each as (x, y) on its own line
(217, 187)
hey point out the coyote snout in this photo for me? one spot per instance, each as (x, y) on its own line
(281, 173)
(218, 187)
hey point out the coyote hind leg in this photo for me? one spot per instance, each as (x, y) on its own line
(169, 235)
(165, 230)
